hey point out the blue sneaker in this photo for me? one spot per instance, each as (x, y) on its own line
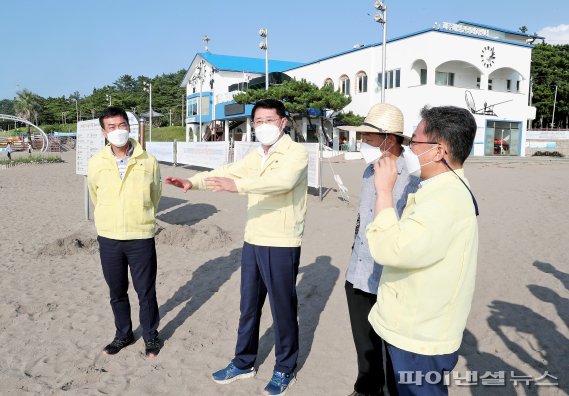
(232, 373)
(279, 384)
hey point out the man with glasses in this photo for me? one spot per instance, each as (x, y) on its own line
(275, 178)
(429, 255)
(381, 132)
(124, 184)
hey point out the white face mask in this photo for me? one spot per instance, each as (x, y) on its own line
(412, 161)
(267, 134)
(371, 153)
(118, 137)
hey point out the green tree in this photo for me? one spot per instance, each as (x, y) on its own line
(298, 96)
(349, 119)
(27, 106)
(550, 68)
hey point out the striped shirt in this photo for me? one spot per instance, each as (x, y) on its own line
(363, 272)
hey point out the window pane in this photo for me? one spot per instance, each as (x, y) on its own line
(379, 80)
(451, 79)
(440, 78)
(397, 78)
(423, 76)
(364, 78)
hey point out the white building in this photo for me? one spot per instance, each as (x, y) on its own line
(483, 68)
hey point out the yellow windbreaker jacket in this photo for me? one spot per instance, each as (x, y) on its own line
(124, 208)
(276, 191)
(429, 259)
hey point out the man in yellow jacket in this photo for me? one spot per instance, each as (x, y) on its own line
(124, 184)
(429, 256)
(275, 177)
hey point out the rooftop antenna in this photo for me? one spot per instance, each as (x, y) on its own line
(206, 39)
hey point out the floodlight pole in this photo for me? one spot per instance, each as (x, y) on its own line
(264, 45)
(554, 102)
(381, 17)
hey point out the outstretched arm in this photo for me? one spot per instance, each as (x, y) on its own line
(184, 184)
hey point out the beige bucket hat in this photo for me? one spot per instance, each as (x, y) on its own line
(381, 118)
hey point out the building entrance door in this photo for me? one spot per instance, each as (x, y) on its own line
(502, 138)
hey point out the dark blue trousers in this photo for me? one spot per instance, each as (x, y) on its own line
(273, 271)
(421, 375)
(140, 256)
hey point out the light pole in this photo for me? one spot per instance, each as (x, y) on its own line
(264, 45)
(76, 109)
(182, 116)
(381, 17)
(110, 99)
(554, 102)
(148, 88)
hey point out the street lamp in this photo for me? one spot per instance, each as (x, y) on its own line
(199, 75)
(206, 39)
(148, 88)
(264, 45)
(76, 109)
(110, 99)
(554, 102)
(381, 17)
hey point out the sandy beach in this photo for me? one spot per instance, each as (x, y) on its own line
(55, 316)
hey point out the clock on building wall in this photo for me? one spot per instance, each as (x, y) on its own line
(488, 56)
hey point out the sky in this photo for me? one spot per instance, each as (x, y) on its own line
(57, 47)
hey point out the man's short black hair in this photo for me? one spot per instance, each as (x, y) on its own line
(112, 111)
(455, 126)
(269, 104)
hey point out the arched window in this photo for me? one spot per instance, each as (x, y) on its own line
(329, 82)
(345, 84)
(361, 79)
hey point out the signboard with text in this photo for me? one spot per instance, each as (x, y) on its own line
(90, 139)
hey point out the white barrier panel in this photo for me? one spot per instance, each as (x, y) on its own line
(313, 164)
(241, 149)
(204, 154)
(162, 151)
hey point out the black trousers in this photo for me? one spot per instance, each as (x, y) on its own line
(140, 255)
(369, 346)
(273, 271)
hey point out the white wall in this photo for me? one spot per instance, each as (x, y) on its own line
(458, 54)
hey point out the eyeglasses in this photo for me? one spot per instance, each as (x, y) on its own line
(258, 123)
(412, 142)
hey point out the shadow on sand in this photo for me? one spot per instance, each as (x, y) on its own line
(314, 290)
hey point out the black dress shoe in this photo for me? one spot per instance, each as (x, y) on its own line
(152, 347)
(114, 347)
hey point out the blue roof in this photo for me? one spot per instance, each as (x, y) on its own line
(498, 29)
(243, 64)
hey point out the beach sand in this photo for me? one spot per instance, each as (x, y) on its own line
(55, 316)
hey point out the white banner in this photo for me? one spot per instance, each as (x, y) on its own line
(162, 151)
(548, 134)
(241, 149)
(204, 154)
